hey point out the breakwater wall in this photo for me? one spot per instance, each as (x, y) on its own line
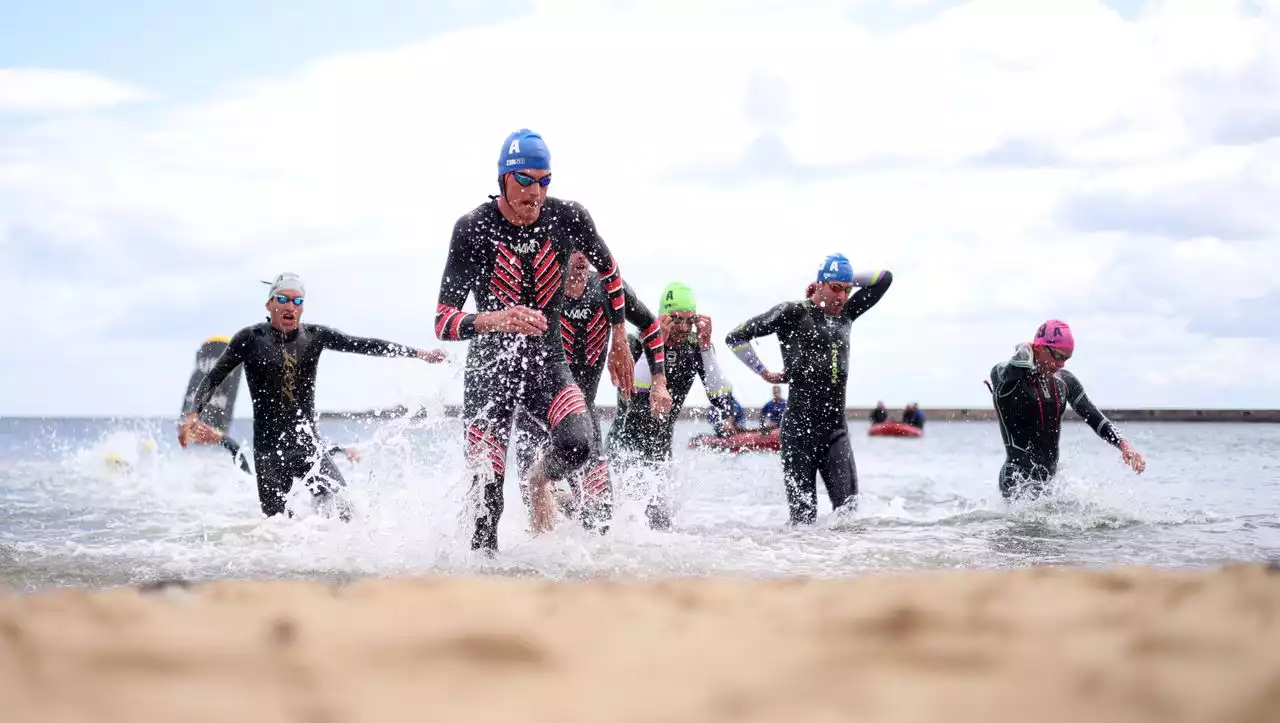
(931, 414)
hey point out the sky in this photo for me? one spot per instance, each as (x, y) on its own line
(1112, 164)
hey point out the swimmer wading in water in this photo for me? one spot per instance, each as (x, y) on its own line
(814, 337)
(1030, 392)
(280, 358)
(584, 334)
(510, 253)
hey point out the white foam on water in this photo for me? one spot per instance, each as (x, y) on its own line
(133, 506)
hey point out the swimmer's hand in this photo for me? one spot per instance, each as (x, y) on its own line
(515, 320)
(432, 356)
(702, 324)
(773, 377)
(659, 397)
(193, 430)
(622, 368)
(1132, 457)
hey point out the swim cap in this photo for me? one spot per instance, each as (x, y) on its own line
(284, 281)
(1055, 334)
(523, 150)
(836, 268)
(677, 297)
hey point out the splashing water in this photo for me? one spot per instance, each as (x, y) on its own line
(91, 502)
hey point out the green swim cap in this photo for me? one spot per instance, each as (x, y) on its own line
(677, 297)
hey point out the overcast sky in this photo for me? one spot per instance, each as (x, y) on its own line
(1113, 164)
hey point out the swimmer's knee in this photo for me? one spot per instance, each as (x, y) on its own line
(572, 441)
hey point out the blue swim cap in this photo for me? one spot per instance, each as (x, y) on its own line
(836, 268)
(523, 150)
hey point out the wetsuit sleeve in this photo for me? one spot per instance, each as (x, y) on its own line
(1007, 374)
(650, 332)
(1090, 413)
(452, 323)
(770, 322)
(234, 448)
(874, 285)
(338, 341)
(714, 381)
(232, 357)
(588, 241)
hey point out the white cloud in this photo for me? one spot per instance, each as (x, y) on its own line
(39, 90)
(1005, 161)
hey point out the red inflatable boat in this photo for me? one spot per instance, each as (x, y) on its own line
(749, 441)
(893, 429)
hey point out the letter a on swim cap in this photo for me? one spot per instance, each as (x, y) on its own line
(1056, 334)
(677, 297)
(836, 268)
(523, 150)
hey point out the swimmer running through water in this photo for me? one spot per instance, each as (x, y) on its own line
(814, 337)
(509, 253)
(584, 335)
(640, 438)
(281, 357)
(1030, 392)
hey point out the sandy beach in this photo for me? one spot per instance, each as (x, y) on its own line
(1047, 644)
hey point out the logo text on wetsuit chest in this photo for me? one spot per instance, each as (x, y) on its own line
(525, 247)
(577, 314)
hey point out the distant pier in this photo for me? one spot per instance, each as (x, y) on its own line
(931, 414)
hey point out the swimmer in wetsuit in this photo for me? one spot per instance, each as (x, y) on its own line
(1030, 392)
(204, 434)
(640, 439)
(814, 337)
(509, 253)
(584, 334)
(280, 358)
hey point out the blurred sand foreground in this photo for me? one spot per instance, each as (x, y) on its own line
(1036, 645)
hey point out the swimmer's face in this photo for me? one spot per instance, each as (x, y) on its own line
(285, 307)
(831, 295)
(682, 322)
(525, 193)
(579, 269)
(1049, 360)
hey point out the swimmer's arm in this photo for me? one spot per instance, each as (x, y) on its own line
(714, 381)
(237, 454)
(874, 285)
(460, 272)
(770, 322)
(1089, 412)
(231, 357)
(336, 340)
(1006, 375)
(651, 332)
(588, 241)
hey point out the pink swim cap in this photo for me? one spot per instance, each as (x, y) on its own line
(1056, 334)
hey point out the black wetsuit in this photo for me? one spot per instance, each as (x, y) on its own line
(814, 433)
(505, 265)
(1029, 406)
(584, 334)
(281, 371)
(638, 440)
(879, 415)
(237, 453)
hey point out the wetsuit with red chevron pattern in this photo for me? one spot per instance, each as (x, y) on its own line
(502, 265)
(584, 332)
